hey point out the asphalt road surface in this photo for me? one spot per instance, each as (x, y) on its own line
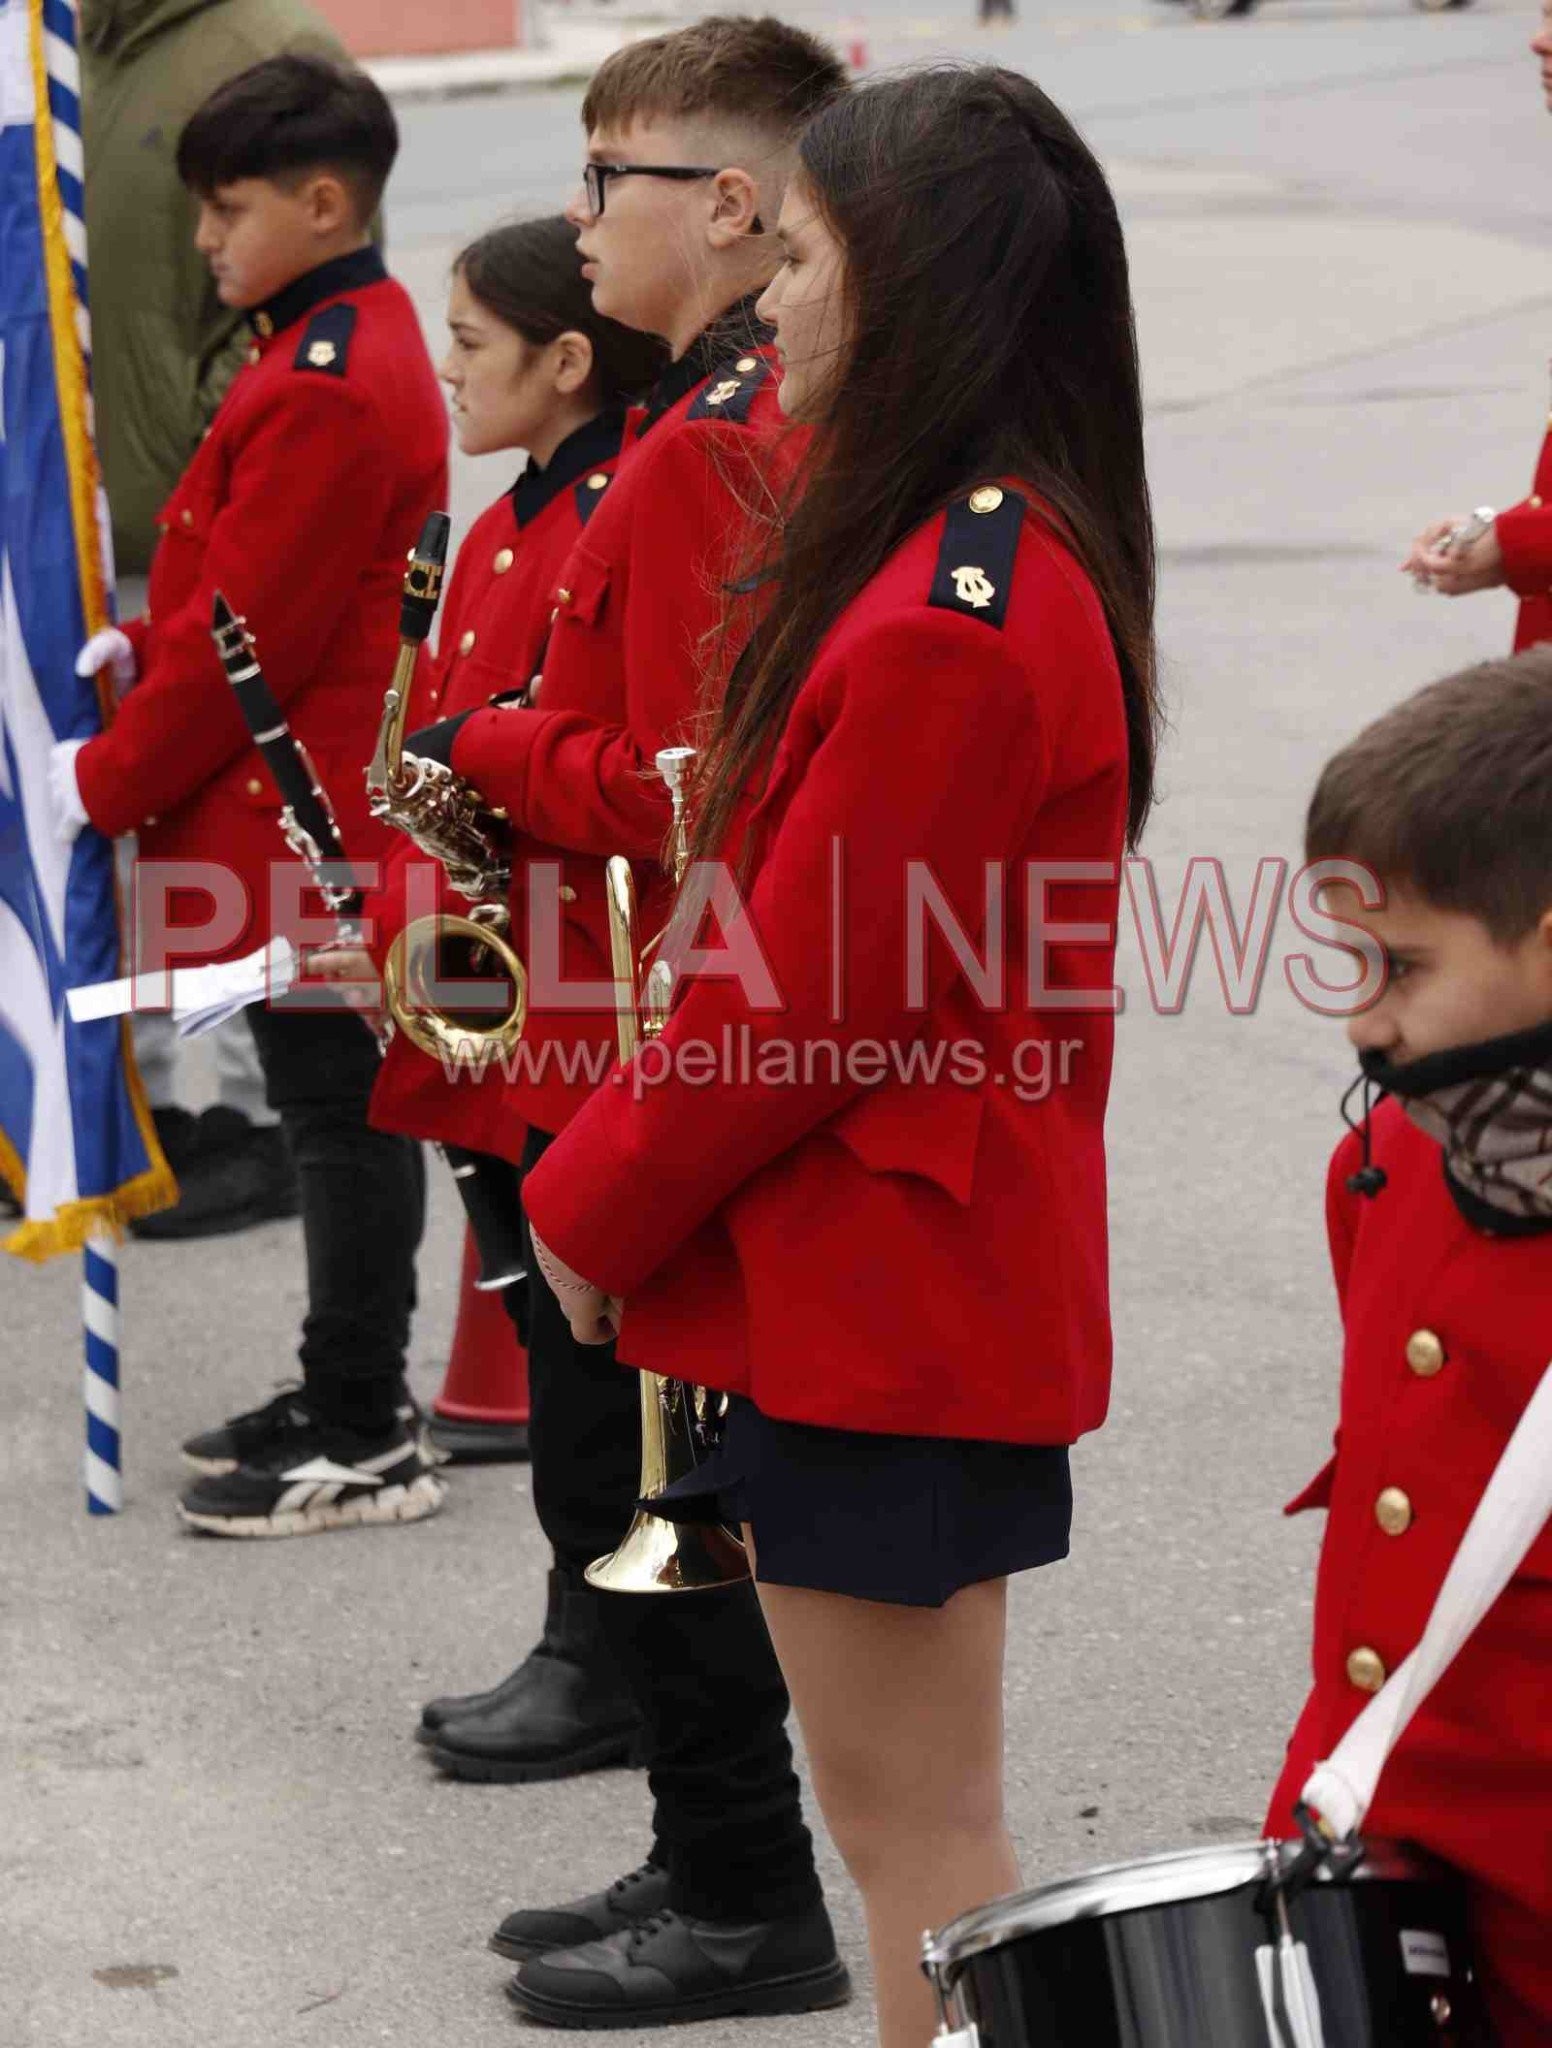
(213, 1824)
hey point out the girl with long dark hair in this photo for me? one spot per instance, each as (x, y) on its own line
(861, 1185)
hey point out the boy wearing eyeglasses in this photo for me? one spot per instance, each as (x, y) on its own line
(690, 140)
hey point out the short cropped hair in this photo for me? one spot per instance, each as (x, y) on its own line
(1450, 795)
(286, 117)
(758, 70)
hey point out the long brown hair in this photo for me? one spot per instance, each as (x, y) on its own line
(990, 333)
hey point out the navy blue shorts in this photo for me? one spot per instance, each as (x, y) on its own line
(903, 1519)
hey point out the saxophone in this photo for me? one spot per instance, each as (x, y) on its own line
(654, 1555)
(448, 819)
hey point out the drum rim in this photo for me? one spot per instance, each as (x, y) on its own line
(1113, 1888)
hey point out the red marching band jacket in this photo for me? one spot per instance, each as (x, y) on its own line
(495, 621)
(325, 457)
(845, 1244)
(1448, 1331)
(1525, 539)
(637, 599)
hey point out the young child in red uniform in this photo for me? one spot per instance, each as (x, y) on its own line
(903, 1283)
(321, 465)
(530, 365)
(1439, 1208)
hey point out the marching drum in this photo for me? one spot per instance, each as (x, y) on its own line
(1234, 1947)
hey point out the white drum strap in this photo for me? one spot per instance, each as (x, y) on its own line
(1509, 1517)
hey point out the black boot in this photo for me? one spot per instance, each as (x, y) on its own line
(563, 1711)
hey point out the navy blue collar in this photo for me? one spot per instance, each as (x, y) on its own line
(732, 333)
(340, 274)
(586, 447)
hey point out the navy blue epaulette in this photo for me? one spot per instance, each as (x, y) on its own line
(588, 495)
(975, 562)
(729, 392)
(325, 342)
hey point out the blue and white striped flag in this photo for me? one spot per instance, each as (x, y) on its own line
(76, 1142)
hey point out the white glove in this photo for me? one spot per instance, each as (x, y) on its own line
(65, 791)
(109, 649)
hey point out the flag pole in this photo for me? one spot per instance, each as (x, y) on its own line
(100, 1322)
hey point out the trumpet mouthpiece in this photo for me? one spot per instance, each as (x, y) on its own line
(673, 764)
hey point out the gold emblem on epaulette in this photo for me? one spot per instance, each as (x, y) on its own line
(985, 498)
(321, 354)
(727, 389)
(972, 588)
(264, 325)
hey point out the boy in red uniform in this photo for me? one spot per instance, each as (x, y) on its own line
(690, 139)
(1439, 1207)
(326, 455)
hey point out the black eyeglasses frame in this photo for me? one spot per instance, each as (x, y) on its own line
(595, 178)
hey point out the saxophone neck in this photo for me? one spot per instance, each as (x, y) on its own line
(386, 771)
(417, 609)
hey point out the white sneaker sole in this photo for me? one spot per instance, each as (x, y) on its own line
(413, 1503)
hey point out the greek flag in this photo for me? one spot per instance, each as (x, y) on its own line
(77, 1146)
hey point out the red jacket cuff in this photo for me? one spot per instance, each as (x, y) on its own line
(1525, 540)
(576, 1195)
(492, 751)
(103, 789)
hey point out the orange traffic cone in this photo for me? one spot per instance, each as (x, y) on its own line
(481, 1414)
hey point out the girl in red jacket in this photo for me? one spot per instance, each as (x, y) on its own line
(867, 1197)
(529, 366)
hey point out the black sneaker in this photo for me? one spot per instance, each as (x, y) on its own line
(262, 1432)
(536, 1931)
(669, 1968)
(232, 1174)
(318, 1479)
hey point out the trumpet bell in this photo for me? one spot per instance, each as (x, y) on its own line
(654, 1555)
(670, 1557)
(433, 952)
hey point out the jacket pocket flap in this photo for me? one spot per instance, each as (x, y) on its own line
(584, 588)
(1318, 1493)
(928, 1129)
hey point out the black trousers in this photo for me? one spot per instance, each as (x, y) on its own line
(363, 1196)
(728, 1818)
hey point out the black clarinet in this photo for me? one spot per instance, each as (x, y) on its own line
(307, 819)
(487, 1186)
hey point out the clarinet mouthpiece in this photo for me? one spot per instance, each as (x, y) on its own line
(230, 634)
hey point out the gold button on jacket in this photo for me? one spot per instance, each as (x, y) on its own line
(1393, 1511)
(503, 561)
(1424, 1353)
(255, 787)
(1365, 1669)
(467, 642)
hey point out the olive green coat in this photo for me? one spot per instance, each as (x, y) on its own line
(164, 347)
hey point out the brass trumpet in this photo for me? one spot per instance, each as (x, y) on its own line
(447, 818)
(654, 1555)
